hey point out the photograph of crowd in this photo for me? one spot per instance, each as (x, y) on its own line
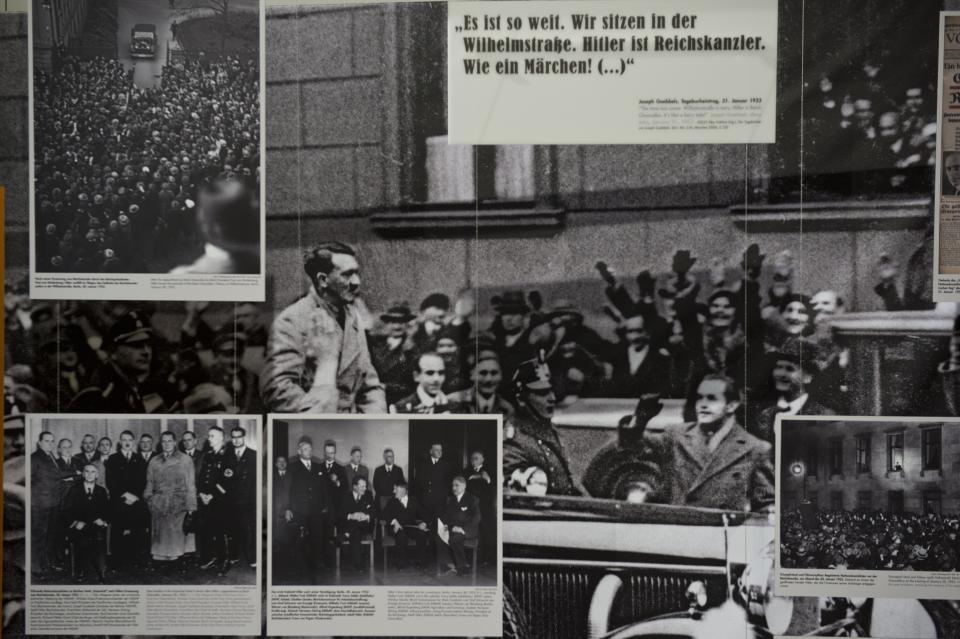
(427, 515)
(143, 501)
(147, 153)
(869, 495)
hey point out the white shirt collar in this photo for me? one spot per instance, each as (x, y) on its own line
(637, 357)
(792, 408)
(426, 400)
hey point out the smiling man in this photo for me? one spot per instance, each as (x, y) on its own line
(714, 462)
(317, 356)
(428, 397)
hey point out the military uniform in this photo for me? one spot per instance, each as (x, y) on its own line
(218, 476)
(531, 442)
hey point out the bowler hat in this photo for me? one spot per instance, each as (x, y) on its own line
(511, 303)
(397, 313)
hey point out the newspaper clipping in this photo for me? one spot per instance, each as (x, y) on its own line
(146, 157)
(947, 225)
(693, 72)
(867, 506)
(385, 525)
(143, 525)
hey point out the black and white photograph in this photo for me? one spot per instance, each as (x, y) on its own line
(582, 291)
(876, 496)
(147, 148)
(950, 170)
(146, 501)
(402, 501)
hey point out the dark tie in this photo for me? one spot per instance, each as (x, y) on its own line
(89, 493)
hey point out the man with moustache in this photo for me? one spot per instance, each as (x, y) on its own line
(534, 459)
(484, 396)
(317, 357)
(714, 462)
(390, 354)
(386, 476)
(428, 397)
(126, 480)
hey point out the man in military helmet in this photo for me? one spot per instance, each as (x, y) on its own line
(123, 384)
(215, 486)
(534, 459)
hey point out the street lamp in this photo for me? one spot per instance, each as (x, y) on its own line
(797, 469)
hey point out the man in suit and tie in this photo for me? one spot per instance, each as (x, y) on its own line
(146, 447)
(309, 506)
(484, 396)
(188, 446)
(126, 479)
(88, 452)
(404, 517)
(356, 515)
(355, 468)
(793, 369)
(951, 174)
(243, 532)
(714, 462)
(461, 518)
(282, 529)
(385, 477)
(640, 369)
(86, 513)
(46, 479)
(335, 485)
(482, 483)
(432, 482)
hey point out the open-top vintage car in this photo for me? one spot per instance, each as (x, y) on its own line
(581, 567)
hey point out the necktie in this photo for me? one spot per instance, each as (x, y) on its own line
(89, 493)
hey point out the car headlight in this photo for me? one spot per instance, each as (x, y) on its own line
(756, 588)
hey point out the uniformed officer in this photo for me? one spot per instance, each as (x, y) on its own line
(215, 486)
(122, 384)
(533, 456)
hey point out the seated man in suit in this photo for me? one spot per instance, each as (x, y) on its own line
(86, 512)
(356, 519)
(461, 521)
(405, 521)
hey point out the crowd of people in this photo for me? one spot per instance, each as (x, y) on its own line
(173, 505)
(118, 168)
(869, 540)
(319, 503)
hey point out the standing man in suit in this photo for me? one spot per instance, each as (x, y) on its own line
(385, 477)
(461, 517)
(126, 480)
(215, 488)
(794, 370)
(482, 484)
(46, 478)
(282, 528)
(356, 514)
(405, 516)
(355, 468)
(188, 446)
(335, 485)
(244, 507)
(317, 356)
(88, 452)
(70, 475)
(714, 462)
(86, 513)
(309, 506)
(640, 369)
(432, 482)
(146, 447)
(104, 449)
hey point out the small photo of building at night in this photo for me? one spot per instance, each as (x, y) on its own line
(876, 494)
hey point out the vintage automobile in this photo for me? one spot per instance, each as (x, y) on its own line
(143, 41)
(579, 567)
